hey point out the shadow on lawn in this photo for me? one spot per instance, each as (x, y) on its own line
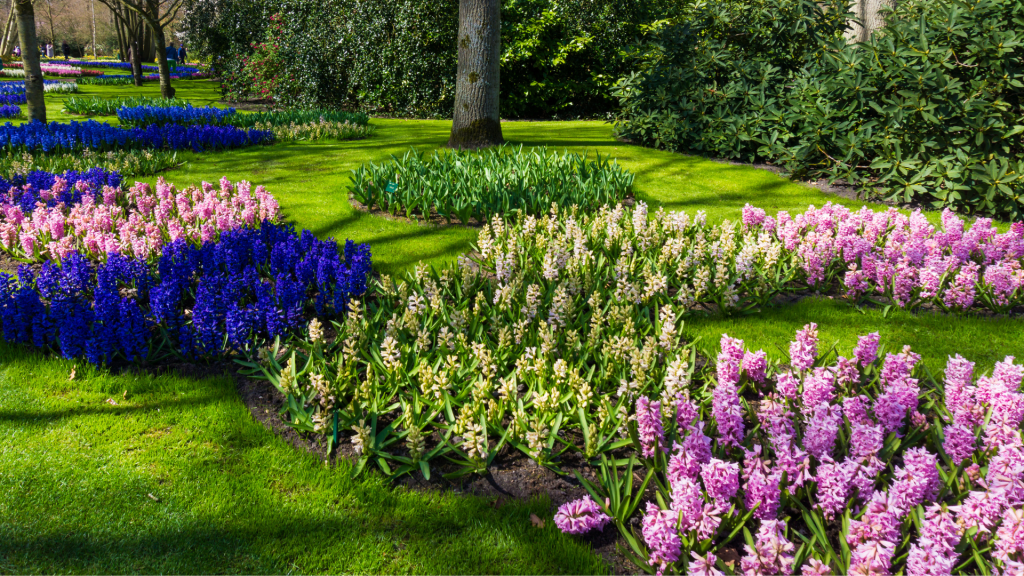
(44, 418)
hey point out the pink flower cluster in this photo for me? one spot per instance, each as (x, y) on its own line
(966, 477)
(136, 223)
(580, 516)
(59, 69)
(904, 258)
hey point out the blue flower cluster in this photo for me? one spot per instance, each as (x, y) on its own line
(10, 111)
(72, 136)
(243, 291)
(28, 196)
(18, 87)
(9, 99)
(146, 115)
(105, 64)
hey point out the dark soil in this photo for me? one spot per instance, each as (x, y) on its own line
(512, 475)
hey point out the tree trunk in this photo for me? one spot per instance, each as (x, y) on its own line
(30, 58)
(476, 123)
(136, 59)
(165, 70)
(9, 31)
(53, 35)
(868, 18)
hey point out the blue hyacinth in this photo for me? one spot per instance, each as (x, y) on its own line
(247, 288)
(73, 136)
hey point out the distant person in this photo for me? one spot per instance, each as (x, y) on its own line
(49, 50)
(181, 54)
(17, 51)
(172, 55)
(65, 49)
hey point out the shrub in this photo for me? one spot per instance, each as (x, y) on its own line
(502, 180)
(246, 288)
(399, 57)
(928, 111)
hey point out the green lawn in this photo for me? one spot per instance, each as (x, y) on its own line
(76, 471)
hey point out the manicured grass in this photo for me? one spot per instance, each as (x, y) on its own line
(75, 471)
(77, 474)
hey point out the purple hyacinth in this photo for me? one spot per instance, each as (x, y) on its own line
(580, 516)
(755, 364)
(659, 529)
(822, 427)
(804, 350)
(648, 423)
(866, 350)
(959, 444)
(721, 480)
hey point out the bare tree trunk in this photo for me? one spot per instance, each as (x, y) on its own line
(868, 18)
(477, 123)
(53, 35)
(165, 70)
(136, 59)
(30, 58)
(9, 31)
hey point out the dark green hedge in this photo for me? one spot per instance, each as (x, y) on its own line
(559, 57)
(929, 111)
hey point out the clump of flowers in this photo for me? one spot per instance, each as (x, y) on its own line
(580, 516)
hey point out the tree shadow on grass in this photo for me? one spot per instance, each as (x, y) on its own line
(47, 417)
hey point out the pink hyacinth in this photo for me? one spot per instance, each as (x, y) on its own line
(788, 385)
(580, 516)
(822, 426)
(648, 423)
(703, 565)
(721, 481)
(819, 388)
(815, 567)
(730, 361)
(755, 364)
(772, 552)
(804, 350)
(658, 528)
(959, 443)
(866, 350)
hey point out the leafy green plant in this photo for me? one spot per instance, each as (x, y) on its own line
(929, 110)
(299, 116)
(321, 130)
(99, 106)
(468, 185)
(127, 162)
(108, 81)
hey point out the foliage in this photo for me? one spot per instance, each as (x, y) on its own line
(249, 286)
(541, 340)
(502, 180)
(58, 137)
(299, 116)
(108, 80)
(928, 111)
(322, 130)
(124, 162)
(97, 105)
(399, 57)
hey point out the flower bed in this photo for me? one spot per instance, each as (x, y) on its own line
(109, 64)
(318, 131)
(108, 80)
(94, 135)
(147, 115)
(61, 88)
(845, 466)
(10, 111)
(14, 99)
(502, 180)
(248, 287)
(126, 162)
(299, 117)
(97, 219)
(53, 69)
(103, 106)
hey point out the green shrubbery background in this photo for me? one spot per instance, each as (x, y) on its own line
(929, 111)
(398, 57)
